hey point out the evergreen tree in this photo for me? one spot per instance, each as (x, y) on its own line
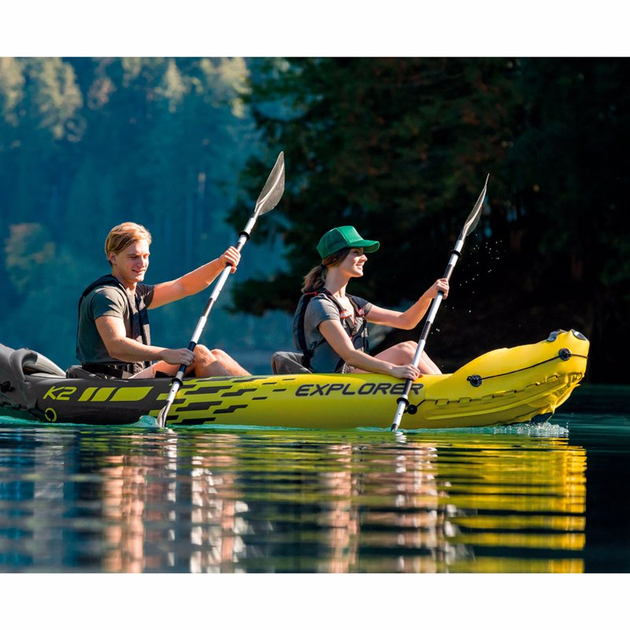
(87, 143)
(400, 148)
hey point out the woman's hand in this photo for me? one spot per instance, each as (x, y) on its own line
(406, 372)
(439, 285)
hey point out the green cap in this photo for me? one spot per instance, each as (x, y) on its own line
(341, 237)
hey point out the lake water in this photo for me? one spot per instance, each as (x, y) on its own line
(547, 498)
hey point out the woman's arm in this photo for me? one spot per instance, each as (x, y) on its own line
(194, 281)
(336, 336)
(412, 316)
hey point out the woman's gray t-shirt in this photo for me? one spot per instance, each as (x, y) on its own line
(321, 309)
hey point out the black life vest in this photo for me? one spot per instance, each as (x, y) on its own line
(357, 330)
(139, 325)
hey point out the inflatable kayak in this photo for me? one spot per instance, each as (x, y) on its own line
(504, 386)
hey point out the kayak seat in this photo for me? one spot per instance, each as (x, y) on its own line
(30, 362)
(288, 363)
(76, 371)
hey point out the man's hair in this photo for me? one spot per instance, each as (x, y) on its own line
(123, 235)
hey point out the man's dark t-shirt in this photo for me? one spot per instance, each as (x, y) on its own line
(109, 301)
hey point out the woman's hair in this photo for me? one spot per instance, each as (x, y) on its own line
(123, 235)
(315, 279)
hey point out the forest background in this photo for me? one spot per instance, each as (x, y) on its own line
(398, 147)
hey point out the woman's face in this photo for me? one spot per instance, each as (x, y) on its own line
(353, 263)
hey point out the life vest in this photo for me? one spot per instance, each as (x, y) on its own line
(357, 330)
(139, 326)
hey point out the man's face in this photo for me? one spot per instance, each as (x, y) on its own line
(131, 263)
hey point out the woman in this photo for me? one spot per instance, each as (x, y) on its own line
(330, 326)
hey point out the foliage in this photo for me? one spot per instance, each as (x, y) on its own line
(28, 250)
(400, 149)
(86, 143)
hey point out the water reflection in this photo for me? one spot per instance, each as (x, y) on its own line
(286, 501)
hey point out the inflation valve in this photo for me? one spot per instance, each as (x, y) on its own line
(475, 380)
(564, 354)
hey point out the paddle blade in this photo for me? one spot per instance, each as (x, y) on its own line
(161, 417)
(473, 218)
(273, 189)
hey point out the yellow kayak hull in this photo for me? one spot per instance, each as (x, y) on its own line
(501, 387)
(516, 384)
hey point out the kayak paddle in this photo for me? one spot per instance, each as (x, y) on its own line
(469, 226)
(267, 200)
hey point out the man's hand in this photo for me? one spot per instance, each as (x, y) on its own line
(231, 257)
(181, 356)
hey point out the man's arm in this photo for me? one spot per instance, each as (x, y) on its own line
(114, 336)
(195, 281)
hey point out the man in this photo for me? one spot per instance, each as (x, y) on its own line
(113, 337)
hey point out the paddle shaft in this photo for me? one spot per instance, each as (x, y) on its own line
(214, 296)
(403, 401)
(201, 324)
(267, 200)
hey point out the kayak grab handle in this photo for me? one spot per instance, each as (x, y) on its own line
(576, 333)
